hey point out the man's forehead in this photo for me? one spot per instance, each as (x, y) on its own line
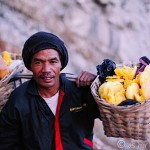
(46, 54)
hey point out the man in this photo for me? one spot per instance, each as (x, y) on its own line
(48, 112)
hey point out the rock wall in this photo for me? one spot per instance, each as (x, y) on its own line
(92, 30)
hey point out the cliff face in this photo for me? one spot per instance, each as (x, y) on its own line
(92, 30)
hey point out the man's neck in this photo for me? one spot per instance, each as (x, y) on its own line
(48, 92)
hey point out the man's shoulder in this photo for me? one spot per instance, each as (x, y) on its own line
(66, 81)
(69, 85)
(16, 98)
(21, 88)
(24, 84)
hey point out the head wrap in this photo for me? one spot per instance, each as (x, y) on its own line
(41, 41)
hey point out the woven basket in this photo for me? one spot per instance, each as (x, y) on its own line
(5, 87)
(16, 67)
(123, 121)
(5, 92)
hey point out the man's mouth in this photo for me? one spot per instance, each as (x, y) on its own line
(46, 76)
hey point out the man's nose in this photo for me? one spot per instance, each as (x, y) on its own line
(46, 67)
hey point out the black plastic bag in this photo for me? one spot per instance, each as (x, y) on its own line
(105, 69)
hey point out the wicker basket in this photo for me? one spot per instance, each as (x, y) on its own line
(5, 92)
(123, 121)
(16, 67)
(5, 87)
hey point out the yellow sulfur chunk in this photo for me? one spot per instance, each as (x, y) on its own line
(126, 72)
(120, 97)
(112, 92)
(145, 75)
(145, 90)
(132, 90)
(103, 90)
(127, 83)
(114, 80)
(139, 98)
(4, 70)
(7, 58)
(110, 98)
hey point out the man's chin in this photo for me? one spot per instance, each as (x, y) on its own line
(47, 84)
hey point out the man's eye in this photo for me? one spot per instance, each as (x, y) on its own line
(37, 62)
(53, 62)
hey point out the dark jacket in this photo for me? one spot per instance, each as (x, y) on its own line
(27, 123)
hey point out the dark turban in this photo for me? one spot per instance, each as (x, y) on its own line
(41, 41)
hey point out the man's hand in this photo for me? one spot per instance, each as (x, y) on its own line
(85, 78)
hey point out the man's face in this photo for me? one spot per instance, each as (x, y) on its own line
(46, 66)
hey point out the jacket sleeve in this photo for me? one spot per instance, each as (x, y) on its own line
(9, 128)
